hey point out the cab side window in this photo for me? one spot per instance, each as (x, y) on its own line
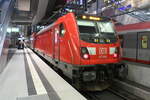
(144, 42)
(62, 30)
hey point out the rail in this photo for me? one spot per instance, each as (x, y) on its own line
(112, 93)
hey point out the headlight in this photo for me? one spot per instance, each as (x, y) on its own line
(112, 50)
(85, 53)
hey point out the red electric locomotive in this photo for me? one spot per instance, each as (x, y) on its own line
(85, 48)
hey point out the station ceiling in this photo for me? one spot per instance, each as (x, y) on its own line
(34, 11)
(143, 15)
(37, 12)
(137, 9)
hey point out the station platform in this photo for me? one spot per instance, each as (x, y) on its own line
(27, 77)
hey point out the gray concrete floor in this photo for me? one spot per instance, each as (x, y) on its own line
(13, 79)
(27, 77)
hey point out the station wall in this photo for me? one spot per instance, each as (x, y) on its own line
(139, 73)
(6, 11)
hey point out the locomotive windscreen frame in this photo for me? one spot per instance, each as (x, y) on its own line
(101, 32)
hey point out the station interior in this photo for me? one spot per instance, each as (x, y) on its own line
(74, 49)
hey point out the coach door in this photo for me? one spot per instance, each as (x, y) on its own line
(56, 43)
(130, 45)
(143, 47)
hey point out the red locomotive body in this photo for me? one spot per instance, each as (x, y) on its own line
(85, 48)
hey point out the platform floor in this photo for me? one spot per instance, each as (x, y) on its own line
(27, 77)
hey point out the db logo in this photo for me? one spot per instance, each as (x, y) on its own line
(103, 51)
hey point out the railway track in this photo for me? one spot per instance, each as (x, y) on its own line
(111, 94)
(123, 94)
(104, 95)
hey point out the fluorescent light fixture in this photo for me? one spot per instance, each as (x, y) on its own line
(8, 30)
(14, 29)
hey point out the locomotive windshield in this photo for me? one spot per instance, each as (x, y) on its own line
(87, 27)
(96, 31)
(105, 27)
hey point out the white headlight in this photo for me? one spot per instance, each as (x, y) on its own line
(112, 50)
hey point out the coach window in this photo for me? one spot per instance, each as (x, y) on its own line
(62, 30)
(144, 42)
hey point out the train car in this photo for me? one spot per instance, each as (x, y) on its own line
(20, 43)
(135, 42)
(85, 48)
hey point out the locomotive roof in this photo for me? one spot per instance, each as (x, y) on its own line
(79, 16)
(45, 29)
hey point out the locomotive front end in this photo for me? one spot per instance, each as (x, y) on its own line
(99, 51)
(98, 40)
